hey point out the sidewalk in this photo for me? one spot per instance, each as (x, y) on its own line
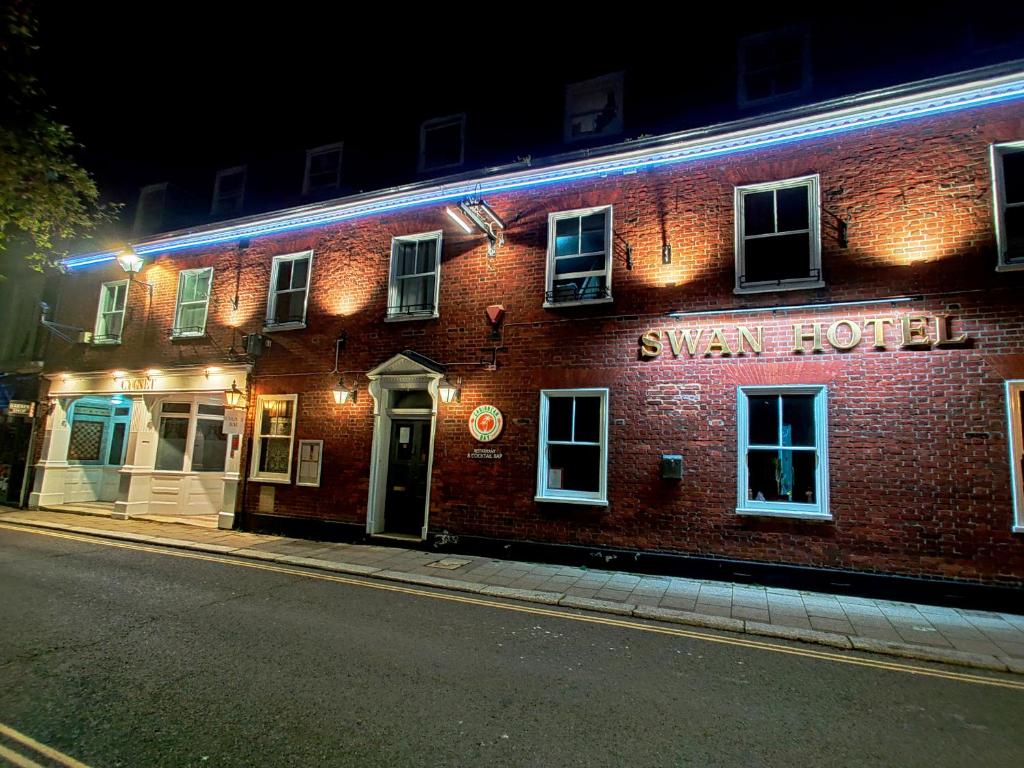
(980, 639)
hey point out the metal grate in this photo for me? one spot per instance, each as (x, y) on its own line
(291, 320)
(108, 339)
(812, 274)
(86, 438)
(567, 293)
(187, 331)
(406, 310)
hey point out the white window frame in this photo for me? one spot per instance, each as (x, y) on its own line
(745, 506)
(742, 46)
(319, 463)
(99, 312)
(1015, 435)
(216, 190)
(192, 417)
(337, 148)
(257, 435)
(138, 227)
(613, 81)
(609, 233)
(393, 278)
(996, 152)
(814, 230)
(434, 124)
(558, 495)
(175, 333)
(269, 325)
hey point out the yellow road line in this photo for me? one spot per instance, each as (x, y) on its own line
(741, 642)
(42, 749)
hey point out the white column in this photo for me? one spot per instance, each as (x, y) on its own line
(51, 471)
(140, 457)
(229, 499)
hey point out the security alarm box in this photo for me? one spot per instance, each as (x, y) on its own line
(671, 466)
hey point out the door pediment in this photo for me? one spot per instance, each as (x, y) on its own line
(408, 363)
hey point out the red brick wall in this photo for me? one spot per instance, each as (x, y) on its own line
(918, 465)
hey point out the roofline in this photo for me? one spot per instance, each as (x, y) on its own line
(905, 102)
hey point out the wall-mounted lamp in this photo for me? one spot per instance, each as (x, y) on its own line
(344, 393)
(211, 369)
(450, 392)
(130, 261)
(454, 216)
(666, 254)
(118, 374)
(152, 373)
(233, 397)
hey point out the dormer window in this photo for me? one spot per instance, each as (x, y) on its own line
(149, 211)
(773, 65)
(228, 191)
(593, 108)
(442, 143)
(323, 169)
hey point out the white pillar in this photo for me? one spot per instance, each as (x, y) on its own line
(140, 457)
(51, 471)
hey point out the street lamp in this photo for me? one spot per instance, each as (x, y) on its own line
(344, 393)
(233, 396)
(450, 392)
(130, 261)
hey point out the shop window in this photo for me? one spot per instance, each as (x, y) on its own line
(1008, 188)
(86, 440)
(783, 463)
(442, 143)
(210, 444)
(593, 108)
(289, 291)
(110, 315)
(573, 445)
(579, 267)
(193, 302)
(274, 436)
(1015, 413)
(778, 243)
(773, 65)
(323, 169)
(190, 437)
(415, 276)
(99, 427)
(228, 191)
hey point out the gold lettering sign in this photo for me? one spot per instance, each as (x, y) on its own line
(136, 385)
(906, 332)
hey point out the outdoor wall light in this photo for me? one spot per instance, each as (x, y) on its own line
(130, 261)
(211, 369)
(450, 392)
(666, 254)
(118, 374)
(233, 396)
(458, 220)
(152, 373)
(344, 393)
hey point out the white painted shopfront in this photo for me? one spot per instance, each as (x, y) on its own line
(149, 442)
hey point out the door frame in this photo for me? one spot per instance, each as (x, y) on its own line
(404, 371)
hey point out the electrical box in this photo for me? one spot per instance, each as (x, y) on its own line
(254, 345)
(671, 466)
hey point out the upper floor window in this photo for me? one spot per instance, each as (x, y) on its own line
(228, 191)
(110, 315)
(289, 291)
(323, 169)
(149, 210)
(415, 276)
(579, 266)
(593, 108)
(442, 143)
(783, 462)
(778, 242)
(573, 446)
(773, 65)
(193, 302)
(1008, 177)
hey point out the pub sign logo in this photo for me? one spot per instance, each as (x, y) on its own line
(485, 423)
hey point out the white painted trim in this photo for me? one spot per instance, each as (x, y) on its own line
(216, 189)
(1015, 438)
(598, 498)
(272, 477)
(744, 506)
(813, 184)
(609, 244)
(99, 311)
(177, 303)
(393, 287)
(442, 122)
(272, 291)
(996, 153)
(338, 147)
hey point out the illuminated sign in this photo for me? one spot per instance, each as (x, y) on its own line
(485, 423)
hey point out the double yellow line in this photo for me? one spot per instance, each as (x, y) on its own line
(37, 749)
(740, 642)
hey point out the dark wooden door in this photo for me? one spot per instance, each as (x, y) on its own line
(408, 461)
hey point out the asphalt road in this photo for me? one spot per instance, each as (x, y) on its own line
(121, 657)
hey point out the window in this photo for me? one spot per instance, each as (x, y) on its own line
(1015, 413)
(275, 433)
(579, 257)
(289, 291)
(573, 446)
(99, 427)
(149, 210)
(783, 461)
(778, 241)
(773, 65)
(110, 315)
(228, 191)
(593, 108)
(415, 276)
(193, 302)
(323, 169)
(190, 436)
(442, 143)
(310, 461)
(1008, 189)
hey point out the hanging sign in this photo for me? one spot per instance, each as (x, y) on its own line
(21, 408)
(234, 421)
(485, 423)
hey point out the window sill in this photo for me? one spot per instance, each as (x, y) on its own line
(1011, 267)
(407, 318)
(284, 327)
(105, 343)
(774, 288)
(572, 500)
(265, 479)
(580, 303)
(1018, 529)
(186, 336)
(787, 513)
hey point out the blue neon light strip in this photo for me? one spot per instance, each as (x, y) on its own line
(803, 129)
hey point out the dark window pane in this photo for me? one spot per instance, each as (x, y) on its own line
(442, 145)
(758, 213)
(593, 232)
(274, 454)
(567, 236)
(792, 208)
(788, 78)
(798, 420)
(580, 467)
(560, 418)
(406, 257)
(579, 288)
(170, 447)
(284, 275)
(427, 255)
(782, 257)
(176, 407)
(210, 447)
(300, 272)
(1013, 176)
(781, 476)
(211, 410)
(588, 420)
(763, 415)
(116, 443)
(1014, 220)
(580, 264)
(411, 398)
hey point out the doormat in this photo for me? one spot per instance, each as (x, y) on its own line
(449, 563)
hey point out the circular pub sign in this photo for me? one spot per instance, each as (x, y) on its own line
(485, 423)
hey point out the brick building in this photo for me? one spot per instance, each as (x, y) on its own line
(792, 344)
